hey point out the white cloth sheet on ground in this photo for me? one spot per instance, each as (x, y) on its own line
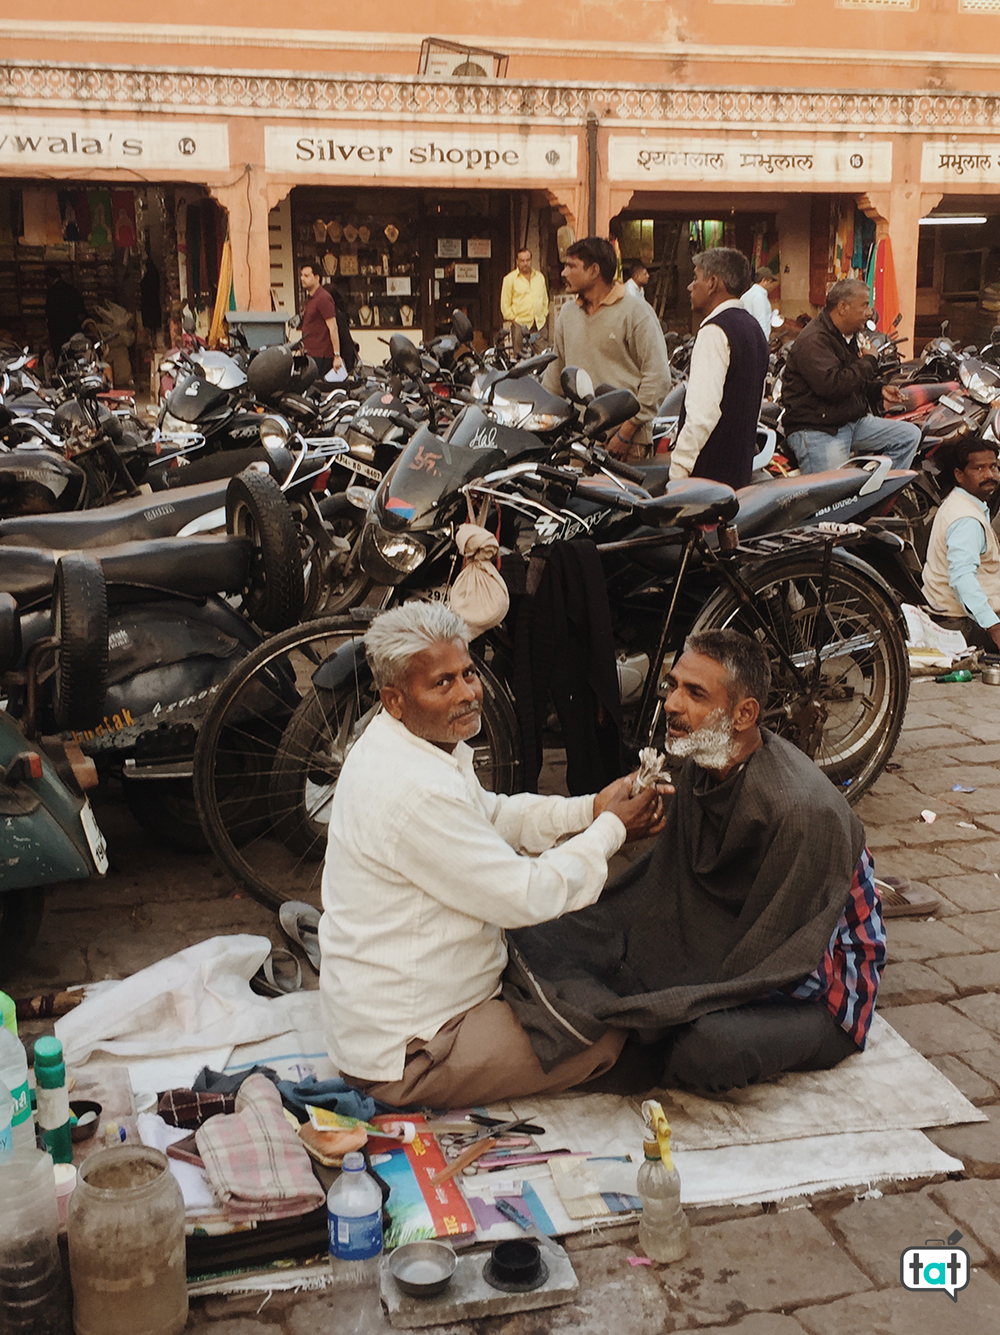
(805, 1132)
(195, 1009)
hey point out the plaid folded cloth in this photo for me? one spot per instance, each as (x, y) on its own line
(190, 1108)
(255, 1161)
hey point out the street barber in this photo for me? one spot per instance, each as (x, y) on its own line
(749, 941)
(425, 869)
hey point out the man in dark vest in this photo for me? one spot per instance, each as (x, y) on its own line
(718, 424)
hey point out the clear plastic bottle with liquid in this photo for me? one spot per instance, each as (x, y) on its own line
(664, 1232)
(14, 1074)
(354, 1217)
(6, 1116)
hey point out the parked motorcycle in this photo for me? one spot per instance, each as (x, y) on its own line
(48, 832)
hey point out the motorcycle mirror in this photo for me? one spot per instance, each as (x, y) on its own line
(609, 410)
(871, 324)
(945, 324)
(461, 326)
(275, 432)
(576, 384)
(405, 354)
(187, 320)
(898, 320)
(995, 334)
(360, 497)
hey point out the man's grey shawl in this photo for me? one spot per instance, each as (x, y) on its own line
(739, 896)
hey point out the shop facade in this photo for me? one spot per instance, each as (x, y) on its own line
(426, 187)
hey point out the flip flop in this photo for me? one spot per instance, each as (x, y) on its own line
(903, 898)
(278, 975)
(300, 923)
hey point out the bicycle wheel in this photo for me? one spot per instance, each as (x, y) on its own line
(302, 733)
(849, 719)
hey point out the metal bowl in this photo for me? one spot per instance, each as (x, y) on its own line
(423, 1269)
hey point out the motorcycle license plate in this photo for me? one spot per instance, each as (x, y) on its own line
(956, 405)
(96, 840)
(363, 470)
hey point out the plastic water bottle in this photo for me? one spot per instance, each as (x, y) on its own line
(664, 1232)
(34, 1299)
(14, 1074)
(6, 1114)
(354, 1219)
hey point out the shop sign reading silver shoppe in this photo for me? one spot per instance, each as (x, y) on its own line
(634, 157)
(419, 153)
(46, 143)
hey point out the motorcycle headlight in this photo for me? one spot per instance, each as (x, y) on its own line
(275, 432)
(398, 550)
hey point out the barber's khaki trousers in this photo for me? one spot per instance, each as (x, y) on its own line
(483, 1056)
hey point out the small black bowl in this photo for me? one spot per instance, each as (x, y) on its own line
(80, 1107)
(516, 1266)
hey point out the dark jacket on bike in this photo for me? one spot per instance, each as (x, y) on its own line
(825, 383)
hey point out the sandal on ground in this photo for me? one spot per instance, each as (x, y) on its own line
(300, 923)
(278, 975)
(903, 898)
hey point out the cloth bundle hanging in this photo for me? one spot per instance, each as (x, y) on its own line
(255, 1161)
(564, 648)
(479, 595)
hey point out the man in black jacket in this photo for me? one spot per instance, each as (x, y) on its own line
(829, 388)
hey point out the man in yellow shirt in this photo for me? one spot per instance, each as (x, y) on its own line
(524, 300)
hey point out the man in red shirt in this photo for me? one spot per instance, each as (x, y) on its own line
(320, 335)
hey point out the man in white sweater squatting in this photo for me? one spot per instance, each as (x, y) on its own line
(424, 871)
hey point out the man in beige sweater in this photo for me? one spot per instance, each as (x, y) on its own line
(616, 341)
(962, 571)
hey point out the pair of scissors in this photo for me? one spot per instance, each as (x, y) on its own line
(486, 1140)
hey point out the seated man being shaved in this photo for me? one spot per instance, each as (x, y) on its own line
(749, 941)
(426, 871)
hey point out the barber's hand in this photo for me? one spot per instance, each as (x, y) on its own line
(642, 816)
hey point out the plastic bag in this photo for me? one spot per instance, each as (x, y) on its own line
(479, 595)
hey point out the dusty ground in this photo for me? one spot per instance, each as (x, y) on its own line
(823, 1266)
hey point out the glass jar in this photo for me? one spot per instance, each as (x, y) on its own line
(126, 1245)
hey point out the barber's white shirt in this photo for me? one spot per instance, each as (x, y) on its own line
(424, 869)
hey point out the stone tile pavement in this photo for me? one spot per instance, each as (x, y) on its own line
(825, 1266)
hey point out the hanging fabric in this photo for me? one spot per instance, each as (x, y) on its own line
(885, 292)
(123, 214)
(67, 214)
(844, 246)
(100, 217)
(217, 329)
(41, 221)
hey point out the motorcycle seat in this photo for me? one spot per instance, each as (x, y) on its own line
(193, 566)
(132, 520)
(655, 476)
(695, 500)
(785, 502)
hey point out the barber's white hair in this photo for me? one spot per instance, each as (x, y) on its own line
(399, 635)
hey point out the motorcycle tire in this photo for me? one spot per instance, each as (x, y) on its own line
(256, 508)
(20, 918)
(332, 588)
(865, 677)
(309, 732)
(80, 624)
(166, 809)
